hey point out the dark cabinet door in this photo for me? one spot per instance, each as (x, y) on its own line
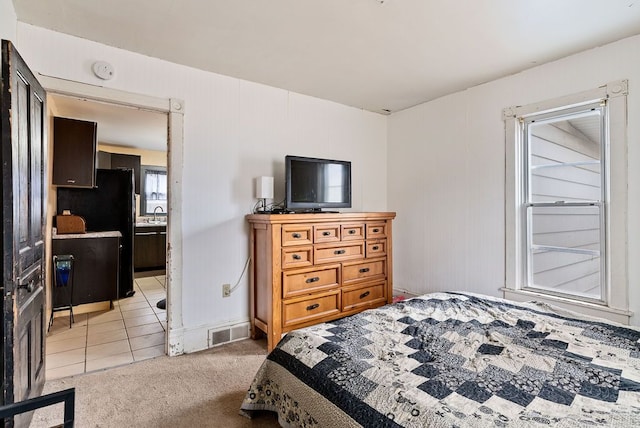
(95, 269)
(121, 161)
(150, 248)
(74, 152)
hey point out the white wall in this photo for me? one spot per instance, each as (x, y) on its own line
(7, 20)
(446, 168)
(234, 131)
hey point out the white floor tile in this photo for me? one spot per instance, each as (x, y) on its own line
(157, 310)
(67, 333)
(96, 352)
(143, 330)
(134, 305)
(110, 361)
(65, 358)
(146, 353)
(146, 319)
(73, 369)
(106, 326)
(137, 312)
(147, 341)
(106, 337)
(67, 345)
(101, 317)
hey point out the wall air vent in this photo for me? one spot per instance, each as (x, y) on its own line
(228, 334)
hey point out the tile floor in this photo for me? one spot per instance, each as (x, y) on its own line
(133, 330)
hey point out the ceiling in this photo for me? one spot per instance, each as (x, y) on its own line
(379, 55)
(117, 125)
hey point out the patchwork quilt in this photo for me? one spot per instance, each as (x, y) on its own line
(454, 360)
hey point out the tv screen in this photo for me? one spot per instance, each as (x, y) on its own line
(313, 184)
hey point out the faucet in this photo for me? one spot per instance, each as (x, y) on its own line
(155, 211)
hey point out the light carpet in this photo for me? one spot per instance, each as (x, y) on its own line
(203, 389)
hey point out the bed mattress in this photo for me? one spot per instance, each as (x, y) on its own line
(453, 360)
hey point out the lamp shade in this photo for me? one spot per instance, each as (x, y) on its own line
(264, 188)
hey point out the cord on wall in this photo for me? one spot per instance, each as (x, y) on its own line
(244, 270)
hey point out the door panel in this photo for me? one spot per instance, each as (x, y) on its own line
(23, 156)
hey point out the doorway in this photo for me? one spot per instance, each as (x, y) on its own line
(142, 319)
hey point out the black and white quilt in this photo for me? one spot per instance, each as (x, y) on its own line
(454, 360)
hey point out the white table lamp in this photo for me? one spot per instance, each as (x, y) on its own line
(264, 190)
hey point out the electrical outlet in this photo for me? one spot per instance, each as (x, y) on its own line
(226, 290)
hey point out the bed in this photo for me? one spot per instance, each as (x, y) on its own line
(453, 360)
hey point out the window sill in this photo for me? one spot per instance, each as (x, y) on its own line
(583, 308)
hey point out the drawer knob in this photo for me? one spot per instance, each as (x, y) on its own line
(314, 279)
(339, 252)
(296, 235)
(376, 230)
(364, 270)
(365, 294)
(312, 307)
(375, 247)
(296, 257)
(327, 233)
(352, 231)
(71, 181)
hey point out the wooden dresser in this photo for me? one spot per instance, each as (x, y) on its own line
(312, 268)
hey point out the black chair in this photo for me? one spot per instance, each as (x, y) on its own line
(62, 286)
(67, 395)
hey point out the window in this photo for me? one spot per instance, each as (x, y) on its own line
(564, 229)
(153, 194)
(566, 200)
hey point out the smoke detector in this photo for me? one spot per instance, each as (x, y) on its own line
(103, 70)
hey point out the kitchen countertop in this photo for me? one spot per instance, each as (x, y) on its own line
(145, 224)
(106, 234)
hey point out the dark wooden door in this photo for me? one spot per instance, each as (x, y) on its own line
(23, 154)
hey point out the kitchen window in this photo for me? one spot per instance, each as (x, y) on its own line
(153, 192)
(566, 200)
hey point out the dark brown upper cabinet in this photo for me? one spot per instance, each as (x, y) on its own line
(108, 160)
(74, 152)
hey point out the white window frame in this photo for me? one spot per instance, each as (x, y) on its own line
(615, 303)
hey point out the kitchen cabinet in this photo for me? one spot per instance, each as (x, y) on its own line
(74, 152)
(108, 160)
(95, 268)
(150, 247)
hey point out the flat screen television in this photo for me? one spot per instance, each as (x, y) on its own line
(313, 184)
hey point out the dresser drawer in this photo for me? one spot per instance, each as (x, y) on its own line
(326, 233)
(377, 230)
(293, 257)
(376, 248)
(359, 271)
(297, 234)
(353, 297)
(326, 253)
(301, 310)
(305, 281)
(352, 231)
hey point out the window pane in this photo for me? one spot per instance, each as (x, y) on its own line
(564, 250)
(155, 191)
(564, 157)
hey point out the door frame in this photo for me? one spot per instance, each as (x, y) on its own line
(174, 108)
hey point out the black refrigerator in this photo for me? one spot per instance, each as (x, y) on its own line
(111, 205)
